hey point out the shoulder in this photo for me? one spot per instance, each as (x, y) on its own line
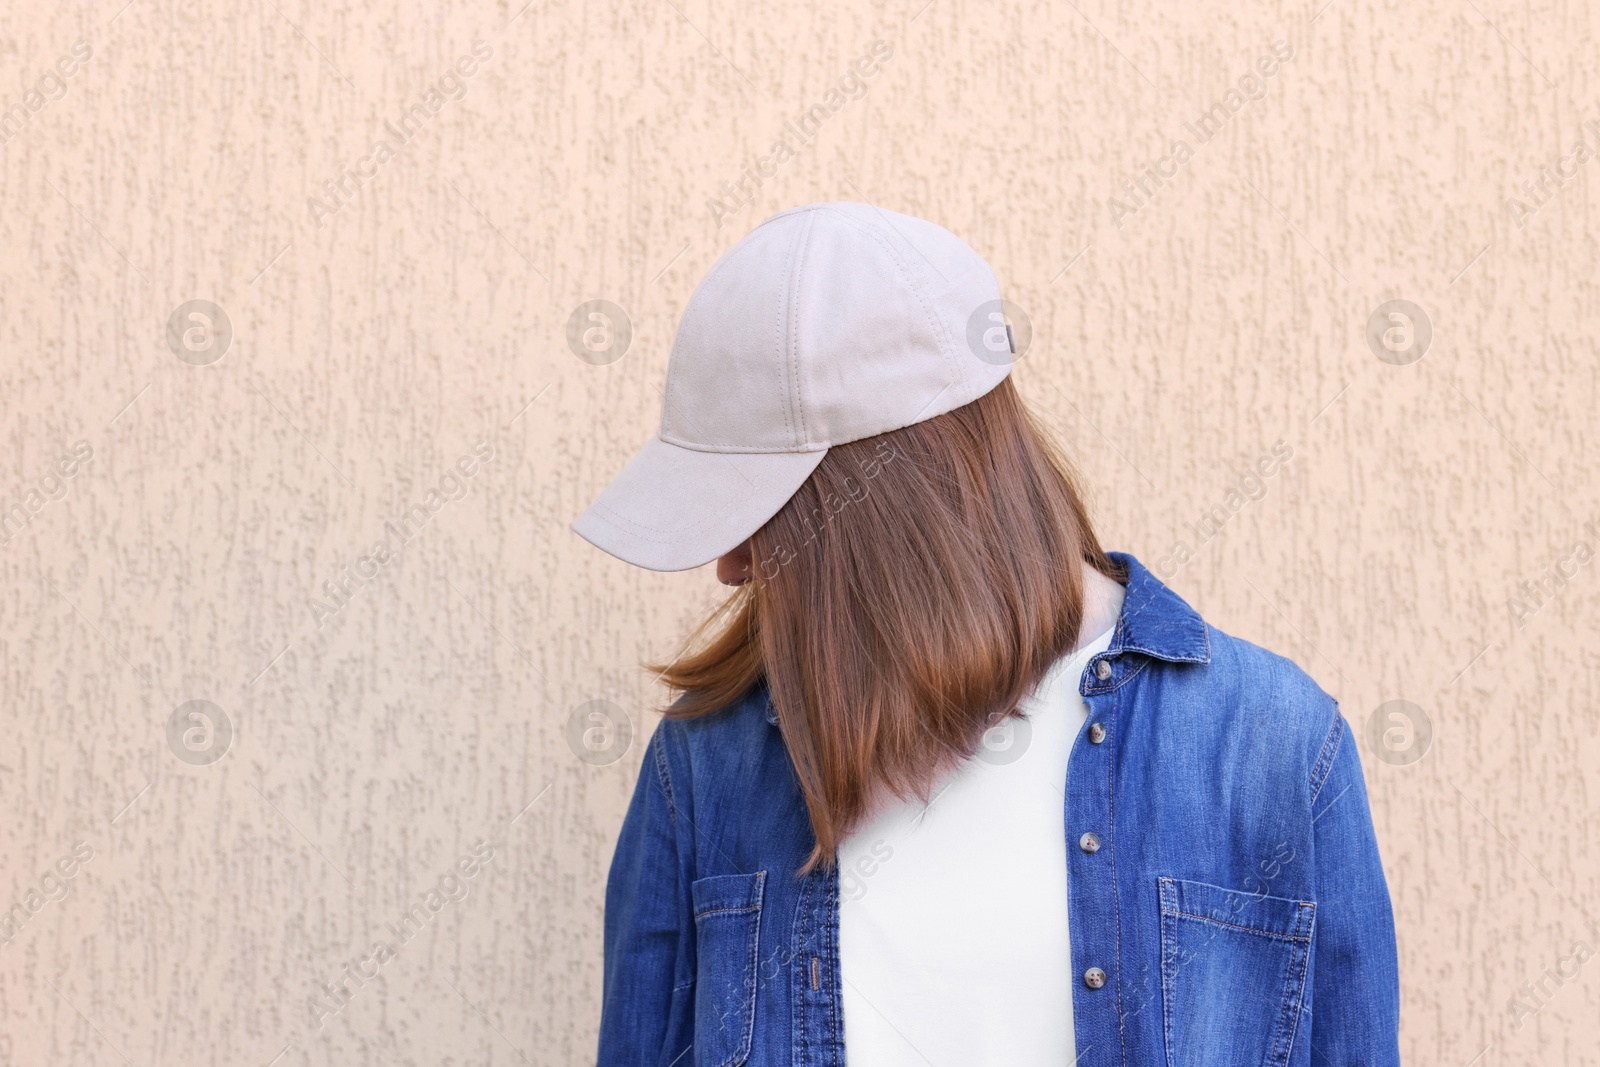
(718, 748)
(734, 793)
(738, 721)
(1263, 675)
(1258, 692)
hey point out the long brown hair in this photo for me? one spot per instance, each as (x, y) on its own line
(912, 592)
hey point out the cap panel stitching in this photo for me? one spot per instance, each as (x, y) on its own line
(900, 264)
(962, 378)
(927, 308)
(778, 331)
(804, 436)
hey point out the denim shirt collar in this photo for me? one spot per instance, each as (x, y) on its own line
(1154, 621)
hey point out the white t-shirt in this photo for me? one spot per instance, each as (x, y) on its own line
(953, 937)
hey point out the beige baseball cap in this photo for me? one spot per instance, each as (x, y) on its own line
(825, 324)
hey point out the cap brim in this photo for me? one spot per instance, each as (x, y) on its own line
(673, 508)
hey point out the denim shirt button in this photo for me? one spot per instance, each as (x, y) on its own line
(1089, 843)
(1102, 670)
(1097, 733)
(1094, 978)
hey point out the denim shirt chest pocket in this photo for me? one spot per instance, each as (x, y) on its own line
(727, 920)
(1233, 974)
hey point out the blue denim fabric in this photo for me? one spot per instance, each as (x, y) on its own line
(1237, 904)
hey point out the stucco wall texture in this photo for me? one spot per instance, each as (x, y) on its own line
(385, 334)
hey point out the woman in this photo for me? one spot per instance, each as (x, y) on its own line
(948, 783)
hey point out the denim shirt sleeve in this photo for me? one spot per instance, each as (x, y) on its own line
(646, 1015)
(1355, 972)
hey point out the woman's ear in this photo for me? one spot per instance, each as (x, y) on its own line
(736, 567)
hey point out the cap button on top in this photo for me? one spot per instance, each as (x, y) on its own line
(1097, 733)
(1102, 670)
(1094, 978)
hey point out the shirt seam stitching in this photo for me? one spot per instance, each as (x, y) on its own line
(1174, 913)
(1330, 751)
(664, 778)
(1116, 895)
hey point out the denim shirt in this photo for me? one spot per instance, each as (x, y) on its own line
(1234, 913)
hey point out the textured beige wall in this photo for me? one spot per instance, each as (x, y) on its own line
(381, 337)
